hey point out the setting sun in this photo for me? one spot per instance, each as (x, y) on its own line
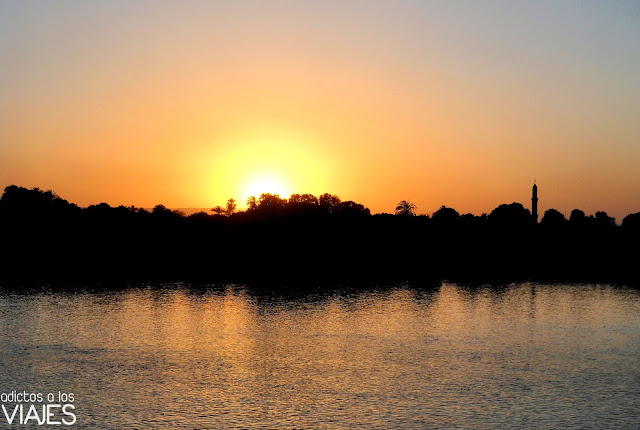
(266, 183)
(270, 159)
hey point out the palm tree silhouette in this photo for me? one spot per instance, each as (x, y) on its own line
(231, 207)
(252, 203)
(219, 210)
(406, 208)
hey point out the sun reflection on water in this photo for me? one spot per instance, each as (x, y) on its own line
(521, 356)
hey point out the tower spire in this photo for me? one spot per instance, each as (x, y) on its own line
(534, 202)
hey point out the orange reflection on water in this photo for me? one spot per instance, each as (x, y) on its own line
(455, 356)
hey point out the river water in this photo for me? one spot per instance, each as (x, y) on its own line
(482, 357)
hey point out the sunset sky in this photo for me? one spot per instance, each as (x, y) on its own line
(438, 102)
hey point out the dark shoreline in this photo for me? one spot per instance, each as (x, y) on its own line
(47, 239)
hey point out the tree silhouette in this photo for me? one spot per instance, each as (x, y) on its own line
(445, 215)
(351, 208)
(218, 210)
(303, 199)
(271, 204)
(329, 202)
(157, 210)
(510, 215)
(632, 221)
(406, 208)
(303, 204)
(553, 218)
(231, 207)
(604, 220)
(252, 203)
(472, 220)
(577, 217)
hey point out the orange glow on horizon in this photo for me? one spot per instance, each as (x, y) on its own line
(188, 106)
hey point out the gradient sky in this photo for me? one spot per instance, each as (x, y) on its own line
(190, 103)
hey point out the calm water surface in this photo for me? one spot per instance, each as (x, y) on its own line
(521, 356)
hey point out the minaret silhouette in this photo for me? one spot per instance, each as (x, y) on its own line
(534, 203)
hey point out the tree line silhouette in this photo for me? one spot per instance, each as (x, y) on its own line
(306, 238)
